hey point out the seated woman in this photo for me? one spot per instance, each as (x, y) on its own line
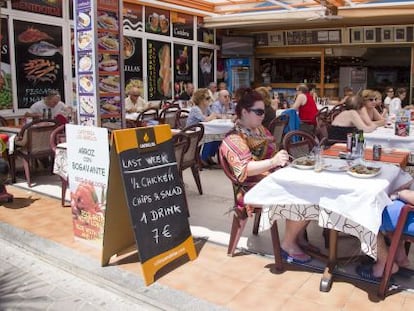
(349, 120)
(369, 114)
(198, 113)
(389, 222)
(250, 152)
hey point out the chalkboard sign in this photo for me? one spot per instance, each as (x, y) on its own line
(154, 194)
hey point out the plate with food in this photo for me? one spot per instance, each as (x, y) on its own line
(108, 64)
(108, 43)
(110, 84)
(364, 171)
(84, 40)
(86, 83)
(85, 63)
(304, 163)
(107, 22)
(129, 47)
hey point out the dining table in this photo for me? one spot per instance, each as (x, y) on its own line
(216, 130)
(336, 198)
(385, 136)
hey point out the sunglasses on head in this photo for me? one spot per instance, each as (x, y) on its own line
(259, 112)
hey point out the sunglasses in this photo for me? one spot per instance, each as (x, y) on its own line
(207, 98)
(259, 112)
(372, 99)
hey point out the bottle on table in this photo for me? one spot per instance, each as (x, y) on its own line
(44, 114)
(361, 144)
(49, 113)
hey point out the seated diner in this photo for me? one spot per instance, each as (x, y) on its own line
(305, 105)
(349, 120)
(251, 153)
(368, 112)
(50, 107)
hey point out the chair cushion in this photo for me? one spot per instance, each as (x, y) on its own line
(390, 218)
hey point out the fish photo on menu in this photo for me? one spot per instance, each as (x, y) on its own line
(32, 34)
(44, 48)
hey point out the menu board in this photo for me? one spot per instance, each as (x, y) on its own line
(183, 66)
(154, 195)
(205, 35)
(109, 62)
(206, 62)
(52, 8)
(39, 61)
(99, 91)
(132, 14)
(85, 60)
(183, 25)
(88, 171)
(157, 21)
(133, 63)
(6, 100)
(159, 70)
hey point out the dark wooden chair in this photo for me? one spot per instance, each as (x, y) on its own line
(404, 231)
(278, 127)
(191, 158)
(169, 115)
(57, 137)
(181, 118)
(181, 144)
(149, 114)
(335, 111)
(33, 143)
(239, 217)
(299, 143)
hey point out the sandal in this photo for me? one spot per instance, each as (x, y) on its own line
(299, 258)
(366, 272)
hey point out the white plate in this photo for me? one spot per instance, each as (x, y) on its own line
(354, 174)
(335, 168)
(296, 163)
(85, 63)
(84, 40)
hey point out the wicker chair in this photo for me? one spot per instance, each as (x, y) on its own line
(299, 143)
(278, 127)
(191, 158)
(181, 118)
(57, 137)
(33, 143)
(169, 115)
(149, 114)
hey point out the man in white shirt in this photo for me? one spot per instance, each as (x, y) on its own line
(134, 102)
(52, 102)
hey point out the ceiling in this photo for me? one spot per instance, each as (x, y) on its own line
(251, 15)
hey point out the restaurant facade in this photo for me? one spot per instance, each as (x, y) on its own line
(169, 43)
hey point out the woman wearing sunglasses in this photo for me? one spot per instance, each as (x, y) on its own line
(369, 114)
(250, 152)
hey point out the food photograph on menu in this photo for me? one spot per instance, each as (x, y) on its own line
(183, 25)
(204, 34)
(6, 97)
(39, 61)
(206, 64)
(159, 70)
(157, 21)
(183, 69)
(107, 20)
(133, 63)
(132, 17)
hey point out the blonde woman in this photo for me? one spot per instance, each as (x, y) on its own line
(369, 114)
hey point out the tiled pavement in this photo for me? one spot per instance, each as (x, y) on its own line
(239, 283)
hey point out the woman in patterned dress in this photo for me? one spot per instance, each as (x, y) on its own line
(250, 152)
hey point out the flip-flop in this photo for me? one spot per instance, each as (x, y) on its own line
(299, 258)
(366, 272)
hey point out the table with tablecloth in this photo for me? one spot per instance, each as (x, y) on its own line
(215, 130)
(60, 165)
(385, 136)
(335, 199)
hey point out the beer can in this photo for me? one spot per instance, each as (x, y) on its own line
(349, 142)
(376, 152)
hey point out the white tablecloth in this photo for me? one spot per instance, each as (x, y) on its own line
(336, 199)
(215, 130)
(387, 139)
